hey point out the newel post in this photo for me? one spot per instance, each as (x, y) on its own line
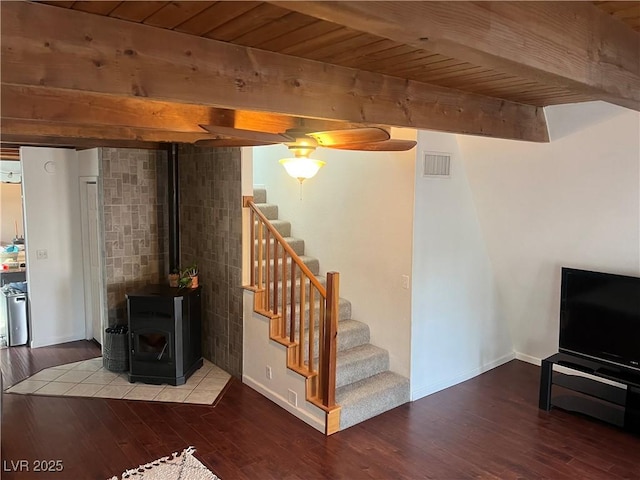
(330, 326)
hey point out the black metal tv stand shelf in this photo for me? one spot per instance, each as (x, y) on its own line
(610, 403)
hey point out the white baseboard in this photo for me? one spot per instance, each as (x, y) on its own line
(528, 358)
(46, 342)
(282, 402)
(425, 390)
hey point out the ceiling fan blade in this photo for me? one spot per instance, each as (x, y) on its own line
(386, 146)
(229, 142)
(351, 135)
(263, 137)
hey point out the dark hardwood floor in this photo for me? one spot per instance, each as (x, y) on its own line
(488, 427)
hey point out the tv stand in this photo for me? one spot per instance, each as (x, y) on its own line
(612, 404)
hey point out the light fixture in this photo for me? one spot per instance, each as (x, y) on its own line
(301, 166)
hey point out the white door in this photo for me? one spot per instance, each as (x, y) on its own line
(91, 256)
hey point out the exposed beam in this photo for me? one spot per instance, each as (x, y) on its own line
(79, 143)
(38, 128)
(573, 45)
(53, 47)
(98, 109)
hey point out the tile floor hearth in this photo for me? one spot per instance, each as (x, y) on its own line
(88, 378)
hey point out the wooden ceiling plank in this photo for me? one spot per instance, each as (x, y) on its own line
(173, 14)
(136, 11)
(331, 48)
(376, 44)
(247, 22)
(42, 44)
(330, 52)
(301, 36)
(281, 27)
(98, 8)
(217, 14)
(302, 49)
(597, 56)
(61, 4)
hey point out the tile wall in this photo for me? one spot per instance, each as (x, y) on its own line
(135, 219)
(211, 235)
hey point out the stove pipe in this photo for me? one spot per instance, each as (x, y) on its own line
(174, 208)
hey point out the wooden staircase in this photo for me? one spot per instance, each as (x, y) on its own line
(346, 376)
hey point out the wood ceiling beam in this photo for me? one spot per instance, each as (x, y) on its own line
(573, 45)
(64, 49)
(135, 115)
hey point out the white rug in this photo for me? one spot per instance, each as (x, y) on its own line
(179, 466)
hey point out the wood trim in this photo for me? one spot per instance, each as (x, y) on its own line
(597, 55)
(328, 367)
(41, 44)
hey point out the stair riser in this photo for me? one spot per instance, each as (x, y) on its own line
(282, 227)
(361, 369)
(381, 402)
(269, 211)
(259, 195)
(346, 339)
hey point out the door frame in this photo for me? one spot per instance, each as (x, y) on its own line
(86, 260)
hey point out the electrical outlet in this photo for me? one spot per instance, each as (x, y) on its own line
(42, 254)
(293, 398)
(269, 373)
(405, 282)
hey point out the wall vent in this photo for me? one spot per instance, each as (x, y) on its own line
(436, 164)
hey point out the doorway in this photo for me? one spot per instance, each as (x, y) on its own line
(93, 300)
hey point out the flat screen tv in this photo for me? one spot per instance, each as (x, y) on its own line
(600, 317)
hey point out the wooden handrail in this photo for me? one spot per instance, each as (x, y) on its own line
(288, 313)
(287, 248)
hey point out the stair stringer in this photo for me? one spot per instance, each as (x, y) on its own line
(260, 351)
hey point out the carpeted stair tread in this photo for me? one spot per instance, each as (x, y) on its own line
(269, 210)
(259, 195)
(360, 362)
(297, 244)
(371, 396)
(282, 226)
(312, 263)
(344, 313)
(351, 333)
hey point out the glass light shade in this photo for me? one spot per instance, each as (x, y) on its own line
(301, 167)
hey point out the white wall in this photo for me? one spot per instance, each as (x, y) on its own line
(258, 353)
(10, 211)
(52, 223)
(356, 218)
(572, 202)
(457, 329)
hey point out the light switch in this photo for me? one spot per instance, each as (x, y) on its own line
(42, 254)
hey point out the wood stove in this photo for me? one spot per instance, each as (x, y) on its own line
(165, 334)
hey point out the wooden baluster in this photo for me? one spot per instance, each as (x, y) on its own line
(328, 387)
(321, 352)
(260, 259)
(311, 324)
(292, 320)
(301, 332)
(252, 236)
(267, 270)
(284, 294)
(276, 260)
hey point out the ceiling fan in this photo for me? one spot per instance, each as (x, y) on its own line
(302, 141)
